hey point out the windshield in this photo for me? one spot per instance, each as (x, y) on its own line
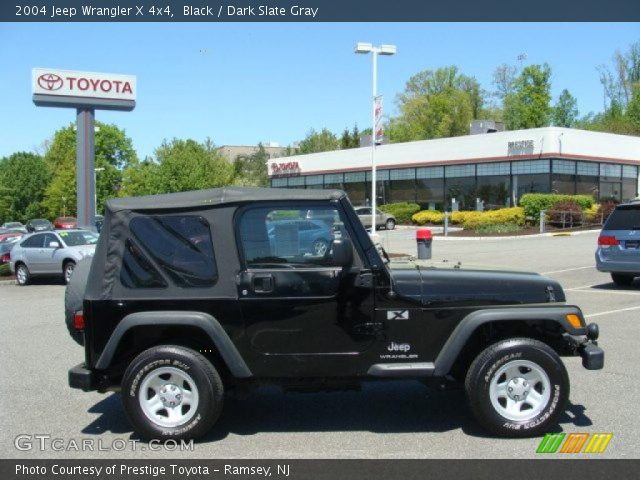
(73, 239)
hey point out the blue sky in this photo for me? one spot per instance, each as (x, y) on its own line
(274, 82)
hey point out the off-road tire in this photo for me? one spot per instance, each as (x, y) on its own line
(486, 366)
(23, 277)
(73, 297)
(622, 279)
(209, 386)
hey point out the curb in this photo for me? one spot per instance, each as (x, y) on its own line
(535, 235)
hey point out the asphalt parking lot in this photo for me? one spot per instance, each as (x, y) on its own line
(385, 420)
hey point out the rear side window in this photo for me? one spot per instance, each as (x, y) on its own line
(180, 245)
(624, 218)
(137, 271)
(33, 242)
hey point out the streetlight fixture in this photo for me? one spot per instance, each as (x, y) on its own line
(362, 47)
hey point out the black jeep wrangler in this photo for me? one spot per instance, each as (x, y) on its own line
(193, 294)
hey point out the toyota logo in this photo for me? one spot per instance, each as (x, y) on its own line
(50, 81)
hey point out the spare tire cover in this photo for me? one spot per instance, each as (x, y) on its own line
(74, 295)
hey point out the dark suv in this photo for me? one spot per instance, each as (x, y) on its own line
(193, 294)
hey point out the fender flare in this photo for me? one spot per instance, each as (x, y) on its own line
(205, 322)
(458, 338)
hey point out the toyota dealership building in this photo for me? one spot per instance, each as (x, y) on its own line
(496, 168)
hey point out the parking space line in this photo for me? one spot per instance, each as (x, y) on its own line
(584, 290)
(567, 270)
(612, 311)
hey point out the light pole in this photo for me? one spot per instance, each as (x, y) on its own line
(95, 188)
(381, 50)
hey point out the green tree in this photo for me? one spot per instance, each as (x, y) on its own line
(60, 194)
(23, 180)
(180, 165)
(565, 111)
(251, 170)
(528, 105)
(620, 80)
(504, 78)
(322, 141)
(140, 178)
(436, 104)
(113, 153)
(633, 110)
(345, 139)
(355, 137)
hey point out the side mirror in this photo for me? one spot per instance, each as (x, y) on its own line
(342, 249)
(54, 245)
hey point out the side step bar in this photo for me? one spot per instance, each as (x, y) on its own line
(417, 369)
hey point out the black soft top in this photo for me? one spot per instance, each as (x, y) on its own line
(216, 205)
(216, 196)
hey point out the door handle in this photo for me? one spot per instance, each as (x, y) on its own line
(262, 282)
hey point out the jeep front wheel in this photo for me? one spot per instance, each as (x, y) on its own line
(172, 392)
(517, 387)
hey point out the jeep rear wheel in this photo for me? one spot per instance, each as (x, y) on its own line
(172, 392)
(517, 387)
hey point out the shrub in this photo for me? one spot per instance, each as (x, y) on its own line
(565, 213)
(534, 202)
(433, 217)
(592, 215)
(402, 211)
(499, 228)
(503, 216)
(460, 217)
(606, 207)
(4, 270)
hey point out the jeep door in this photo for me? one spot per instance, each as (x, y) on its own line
(298, 305)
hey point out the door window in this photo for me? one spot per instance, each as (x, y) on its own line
(282, 237)
(33, 242)
(48, 238)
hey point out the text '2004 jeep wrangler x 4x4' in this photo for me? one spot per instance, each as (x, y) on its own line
(191, 294)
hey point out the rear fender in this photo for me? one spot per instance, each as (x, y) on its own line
(203, 321)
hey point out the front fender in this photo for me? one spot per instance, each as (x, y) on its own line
(203, 321)
(471, 322)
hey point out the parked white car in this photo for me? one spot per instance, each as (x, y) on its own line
(50, 253)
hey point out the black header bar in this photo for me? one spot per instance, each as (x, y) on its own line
(319, 11)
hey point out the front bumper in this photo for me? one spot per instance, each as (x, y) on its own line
(592, 355)
(82, 378)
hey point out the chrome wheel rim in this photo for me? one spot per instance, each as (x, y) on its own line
(21, 275)
(68, 271)
(319, 247)
(168, 397)
(390, 224)
(520, 390)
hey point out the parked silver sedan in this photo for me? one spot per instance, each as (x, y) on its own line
(385, 220)
(50, 253)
